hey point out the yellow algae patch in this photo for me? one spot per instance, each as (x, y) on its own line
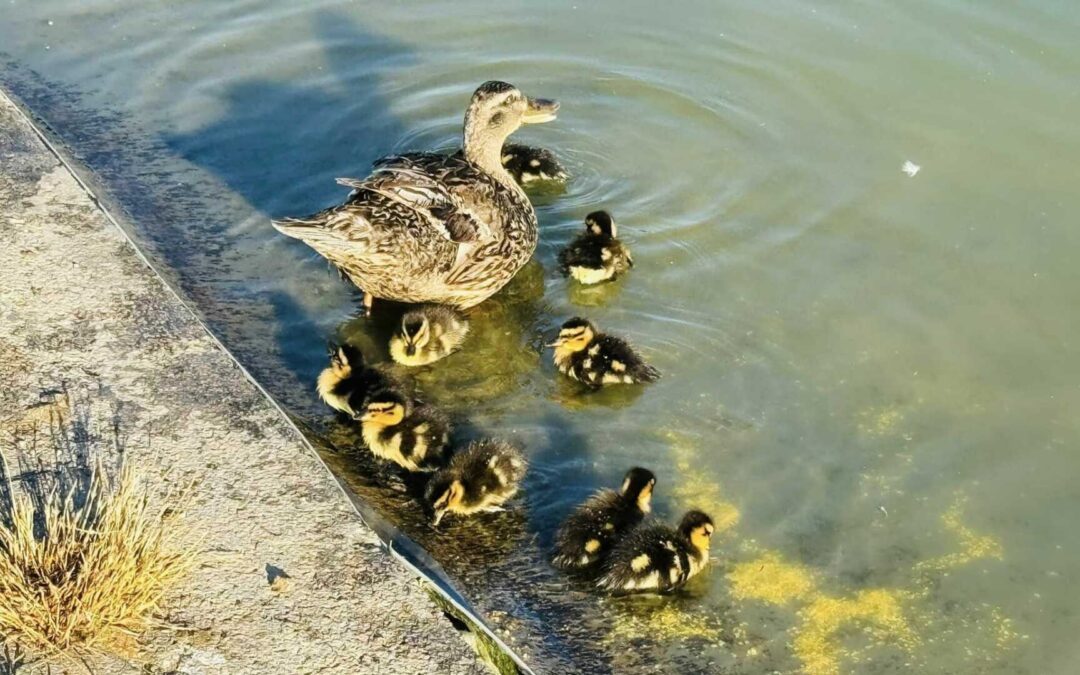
(665, 623)
(879, 421)
(693, 490)
(696, 493)
(1004, 633)
(817, 642)
(973, 546)
(771, 580)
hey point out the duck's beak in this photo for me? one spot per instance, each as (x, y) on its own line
(540, 110)
(554, 344)
(438, 517)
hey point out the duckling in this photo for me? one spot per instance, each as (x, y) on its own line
(428, 333)
(481, 477)
(596, 255)
(530, 165)
(657, 558)
(347, 381)
(597, 359)
(412, 436)
(585, 538)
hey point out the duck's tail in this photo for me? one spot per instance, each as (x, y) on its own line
(328, 230)
(295, 227)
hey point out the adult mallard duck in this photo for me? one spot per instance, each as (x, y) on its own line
(426, 227)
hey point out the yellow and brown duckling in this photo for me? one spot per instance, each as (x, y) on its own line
(597, 359)
(531, 165)
(657, 558)
(412, 436)
(428, 333)
(346, 383)
(585, 538)
(482, 477)
(596, 255)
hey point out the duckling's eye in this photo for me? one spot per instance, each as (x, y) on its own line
(496, 119)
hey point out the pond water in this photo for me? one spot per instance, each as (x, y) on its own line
(870, 379)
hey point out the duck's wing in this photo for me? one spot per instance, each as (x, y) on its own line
(435, 187)
(374, 228)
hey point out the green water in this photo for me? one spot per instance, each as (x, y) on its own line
(870, 379)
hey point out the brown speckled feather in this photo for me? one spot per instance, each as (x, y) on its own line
(425, 227)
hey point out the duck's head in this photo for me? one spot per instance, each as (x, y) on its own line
(444, 494)
(498, 109)
(600, 224)
(574, 335)
(638, 486)
(384, 408)
(698, 528)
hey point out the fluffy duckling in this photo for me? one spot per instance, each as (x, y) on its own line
(530, 165)
(481, 477)
(413, 437)
(585, 538)
(596, 255)
(658, 558)
(597, 359)
(427, 334)
(346, 383)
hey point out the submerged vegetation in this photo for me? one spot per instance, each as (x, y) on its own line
(85, 572)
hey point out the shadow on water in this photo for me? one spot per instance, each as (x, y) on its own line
(298, 342)
(280, 145)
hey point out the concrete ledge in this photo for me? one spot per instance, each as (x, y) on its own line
(99, 358)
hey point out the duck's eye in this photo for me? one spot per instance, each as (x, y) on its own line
(497, 119)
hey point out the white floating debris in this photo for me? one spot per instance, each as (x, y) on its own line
(910, 168)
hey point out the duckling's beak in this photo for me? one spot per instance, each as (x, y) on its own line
(438, 517)
(540, 110)
(555, 344)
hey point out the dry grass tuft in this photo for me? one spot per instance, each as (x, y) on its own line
(84, 574)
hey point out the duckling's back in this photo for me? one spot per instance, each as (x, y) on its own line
(589, 533)
(651, 557)
(490, 465)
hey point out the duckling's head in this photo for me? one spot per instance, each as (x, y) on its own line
(497, 110)
(600, 224)
(574, 335)
(697, 527)
(638, 485)
(385, 408)
(343, 358)
(444, 494)
(415, 332)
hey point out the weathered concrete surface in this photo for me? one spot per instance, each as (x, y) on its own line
(97, 357)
